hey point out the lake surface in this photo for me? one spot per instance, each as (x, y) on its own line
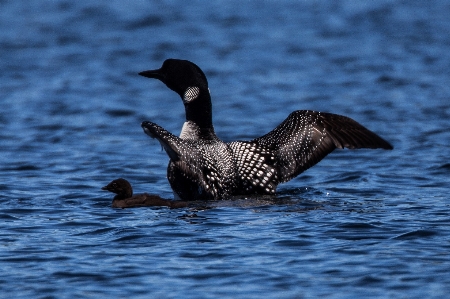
(360, 224)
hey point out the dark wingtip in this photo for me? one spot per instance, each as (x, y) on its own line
(381, 143)
(388, 146)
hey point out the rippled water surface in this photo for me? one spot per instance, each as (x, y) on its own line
(365, 223)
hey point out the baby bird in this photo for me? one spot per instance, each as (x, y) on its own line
(124, 197)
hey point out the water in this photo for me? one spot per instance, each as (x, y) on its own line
(366, 223)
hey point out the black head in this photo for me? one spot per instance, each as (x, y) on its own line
(189, 81)
(179, 75)
(121, 187)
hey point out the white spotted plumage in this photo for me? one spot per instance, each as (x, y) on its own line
(191, 94)
(203, 167)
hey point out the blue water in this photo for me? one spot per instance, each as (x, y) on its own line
(360, 224)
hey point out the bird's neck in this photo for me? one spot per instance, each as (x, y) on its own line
(123, 195)
(119, 197)
(199, 118)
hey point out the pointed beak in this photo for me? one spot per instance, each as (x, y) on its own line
(156, 74)
(105, 188)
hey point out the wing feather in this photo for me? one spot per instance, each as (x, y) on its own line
(305, 137)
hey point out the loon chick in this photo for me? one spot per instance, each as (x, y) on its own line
(124, 197)
(203, 167)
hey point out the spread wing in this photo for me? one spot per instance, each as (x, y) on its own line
(183, 153)
(306, 137)
(203, 164)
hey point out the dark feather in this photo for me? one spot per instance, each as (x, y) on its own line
(306, 137)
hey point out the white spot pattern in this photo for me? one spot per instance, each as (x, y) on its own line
(202, 169)
(191, 94)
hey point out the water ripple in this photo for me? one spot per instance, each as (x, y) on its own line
(360, 223)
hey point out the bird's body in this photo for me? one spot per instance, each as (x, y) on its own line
(203, 167)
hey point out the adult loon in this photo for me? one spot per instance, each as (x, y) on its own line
(203, 167)
(124, 197)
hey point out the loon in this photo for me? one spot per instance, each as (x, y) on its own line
(203, 167)
(124, 197)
